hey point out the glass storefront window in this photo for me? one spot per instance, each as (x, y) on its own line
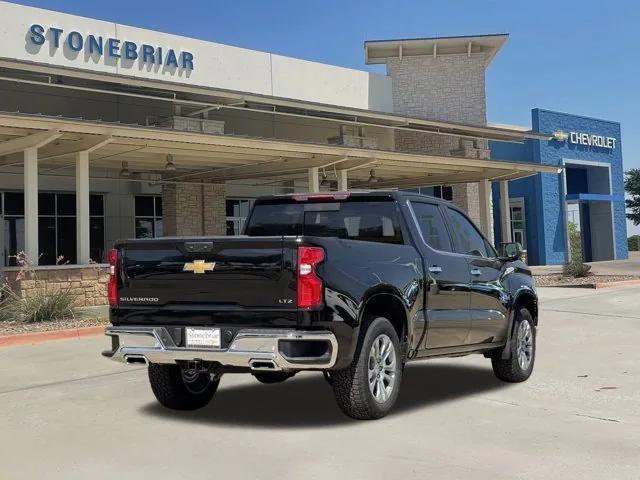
(56, 227)
(148, 216)
(237, 213)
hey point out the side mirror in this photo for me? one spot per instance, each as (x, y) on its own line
(510, 251)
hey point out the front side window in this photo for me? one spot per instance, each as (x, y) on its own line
(432, 226)
(467, 238)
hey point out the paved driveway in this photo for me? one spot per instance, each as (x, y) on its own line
(66, 413)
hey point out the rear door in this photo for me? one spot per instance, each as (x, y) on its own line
(447, 279)
(488, 297)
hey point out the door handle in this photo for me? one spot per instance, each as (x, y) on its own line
(476, 271)
(435, 269)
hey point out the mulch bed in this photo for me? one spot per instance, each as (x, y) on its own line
(15, 328)
(558, 280)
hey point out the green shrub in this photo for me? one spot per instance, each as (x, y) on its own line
(40, 305)
(634, 243)
(576, 269)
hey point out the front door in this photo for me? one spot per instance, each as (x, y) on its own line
(447, 280)
(488, 297)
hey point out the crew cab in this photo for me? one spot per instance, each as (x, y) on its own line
(351, 284)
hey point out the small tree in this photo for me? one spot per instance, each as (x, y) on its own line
(632, 187)
(575, 267)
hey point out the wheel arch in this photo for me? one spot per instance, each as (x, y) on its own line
(526, 298)
(386, 302)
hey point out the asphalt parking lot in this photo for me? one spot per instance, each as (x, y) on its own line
(67, 413)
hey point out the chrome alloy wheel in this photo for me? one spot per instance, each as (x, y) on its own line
(524, 344)
(382, 368)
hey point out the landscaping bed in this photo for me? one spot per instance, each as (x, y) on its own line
(589, 281)
(16, 327)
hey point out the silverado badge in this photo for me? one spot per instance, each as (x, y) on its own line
(199, 266)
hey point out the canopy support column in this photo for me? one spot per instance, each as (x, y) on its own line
(505, 211)
(314, 180)
(484, 195)
(82, 208)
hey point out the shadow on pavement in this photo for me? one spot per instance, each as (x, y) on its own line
(308, 401)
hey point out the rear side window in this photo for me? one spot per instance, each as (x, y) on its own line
(432, 226)
(354, 220)
(467, 238)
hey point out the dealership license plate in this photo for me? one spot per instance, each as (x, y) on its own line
(202, 337)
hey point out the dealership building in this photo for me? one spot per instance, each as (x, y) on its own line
(110, 131)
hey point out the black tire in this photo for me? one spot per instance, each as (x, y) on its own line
(174, 391)
(272, 377)
(510, 369)
(351, 385)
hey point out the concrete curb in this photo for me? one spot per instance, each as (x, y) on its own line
(41, 337)
(598, 285)
(621, 283)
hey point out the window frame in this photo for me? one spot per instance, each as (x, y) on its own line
(154, 218)
(518, 202)
(241, 221)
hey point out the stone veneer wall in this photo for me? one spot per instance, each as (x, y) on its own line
(88, 284)
(193, 209)
(448, 88)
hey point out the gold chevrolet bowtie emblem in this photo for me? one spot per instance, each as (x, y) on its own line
(199, 266)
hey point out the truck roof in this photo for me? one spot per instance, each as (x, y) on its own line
(395, 194)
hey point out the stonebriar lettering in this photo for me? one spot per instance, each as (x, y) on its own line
(591, 140)
(111, 47)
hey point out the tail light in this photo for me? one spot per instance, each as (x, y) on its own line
(112, 288)
(309, 284)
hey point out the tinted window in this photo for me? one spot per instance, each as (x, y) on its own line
(144, 206)
(365, 221)
(432, 226)
(467, 238)
(276, 219)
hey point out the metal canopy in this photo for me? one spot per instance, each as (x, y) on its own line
(197, 100)
(220, 158)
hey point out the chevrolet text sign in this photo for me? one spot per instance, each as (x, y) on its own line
(590, 140)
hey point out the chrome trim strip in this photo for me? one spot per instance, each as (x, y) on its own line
(155, 345)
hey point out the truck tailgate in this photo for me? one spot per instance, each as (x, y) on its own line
(217, 273)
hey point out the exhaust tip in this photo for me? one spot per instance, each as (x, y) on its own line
(263, 365)
(136, 359)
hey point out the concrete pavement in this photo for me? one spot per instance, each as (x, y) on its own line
(67, 413)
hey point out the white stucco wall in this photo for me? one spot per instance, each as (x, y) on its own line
(215, 65)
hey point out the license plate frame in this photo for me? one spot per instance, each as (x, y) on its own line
(202, 337)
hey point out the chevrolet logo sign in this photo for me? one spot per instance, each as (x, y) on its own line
(199, 266)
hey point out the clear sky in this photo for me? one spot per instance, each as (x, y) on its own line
(580, 57)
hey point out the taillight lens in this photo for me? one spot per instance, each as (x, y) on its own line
(309, 284)
(112, 288)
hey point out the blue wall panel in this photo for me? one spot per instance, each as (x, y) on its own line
(543, 193)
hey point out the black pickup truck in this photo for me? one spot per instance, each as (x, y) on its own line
(350, 284)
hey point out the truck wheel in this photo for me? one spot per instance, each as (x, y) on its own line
(181, 389)
(519, 365)
(272, 377)
(369, 387)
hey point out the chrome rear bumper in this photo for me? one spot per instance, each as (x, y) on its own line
(257, 349)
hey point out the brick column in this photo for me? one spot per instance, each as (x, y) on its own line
(193, 209)
(215, 212)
